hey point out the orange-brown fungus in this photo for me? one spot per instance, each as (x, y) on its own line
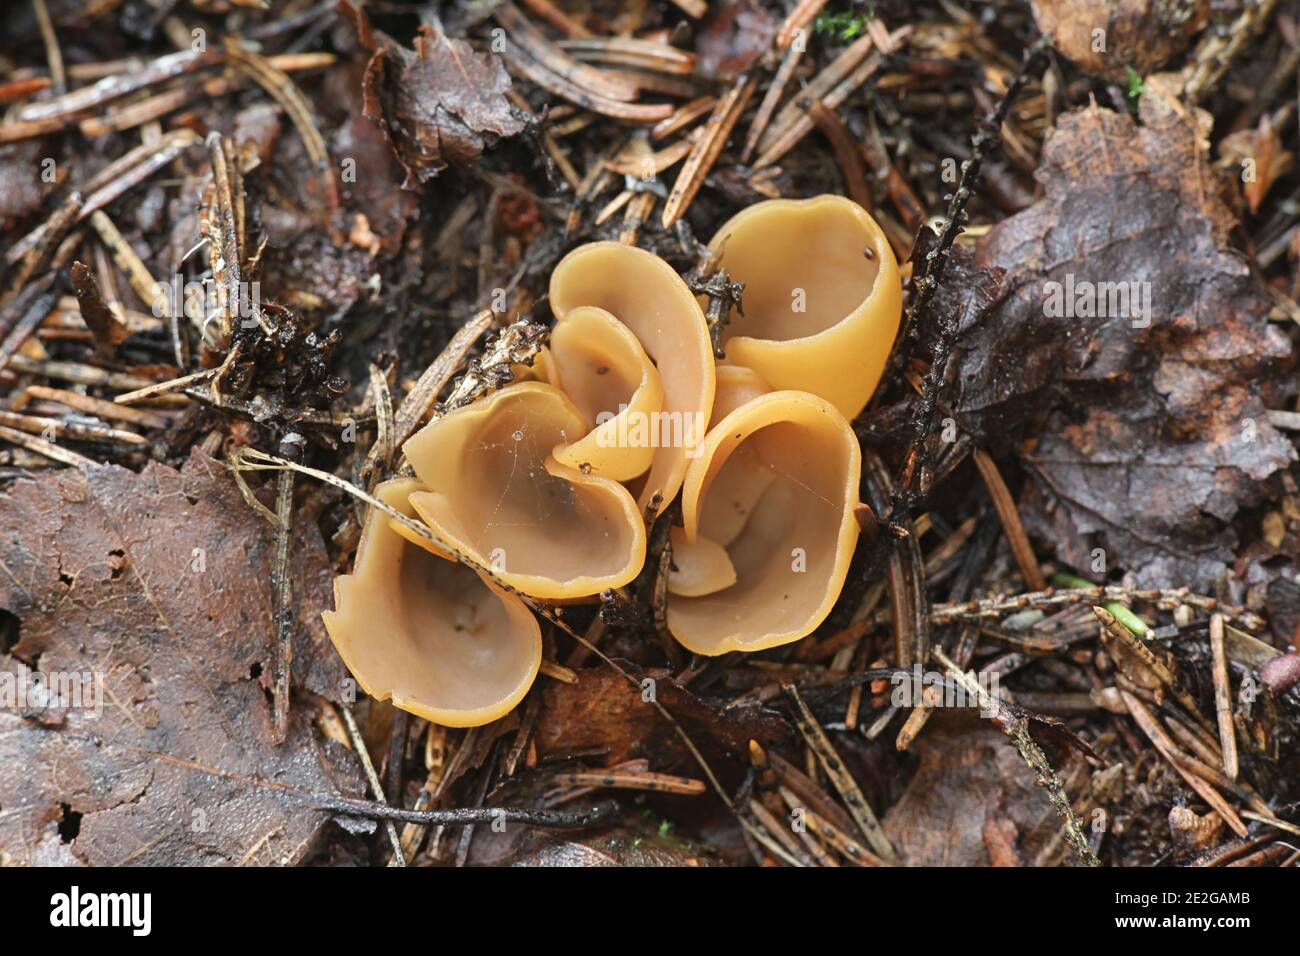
(643, 292)
(769, 526)
(545, 483)
(430, 633)
(495, 493)
(597, 361)
(822, 296)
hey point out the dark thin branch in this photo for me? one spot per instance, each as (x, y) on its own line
(910, 489)
(282, 592)
(723, 294)
(560, 819)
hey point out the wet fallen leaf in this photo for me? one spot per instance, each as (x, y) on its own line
(972, 802)
(1108, 39)
(616, 847)
(1283, 603)
(374, 190)
(26, 178)
(257, 130)
(440, 104)
(732, 37)
(1129, 347)
(371, 174)
(157, 585)
(1257, 159)
(633, 836)
(602, 713)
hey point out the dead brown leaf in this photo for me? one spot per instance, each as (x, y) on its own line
(1145, 383)
(972, 802)
(602, 713)
(26, 178)
(732, 38)
(1257, 158)
(440, 104)
(634, 840)
(157, 585)
(1106, 39)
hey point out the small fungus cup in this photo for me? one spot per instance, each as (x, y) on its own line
(428, 633)
(822, 299)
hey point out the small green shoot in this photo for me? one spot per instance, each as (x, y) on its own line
(845, 25)
(1134, 87)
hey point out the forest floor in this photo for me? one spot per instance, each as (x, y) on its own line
(1081, 462)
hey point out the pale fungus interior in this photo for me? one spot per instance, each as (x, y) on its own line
(699, 567)
(807, 258)
(822, 296)
(792, 550)
(599, 364)
(649, 298)
(428, 632)
(494, 492)
(740, 481)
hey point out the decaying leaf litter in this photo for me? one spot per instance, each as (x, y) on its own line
(1099, 509)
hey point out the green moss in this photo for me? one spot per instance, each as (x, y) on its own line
(1134, 87)
(844, 25)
